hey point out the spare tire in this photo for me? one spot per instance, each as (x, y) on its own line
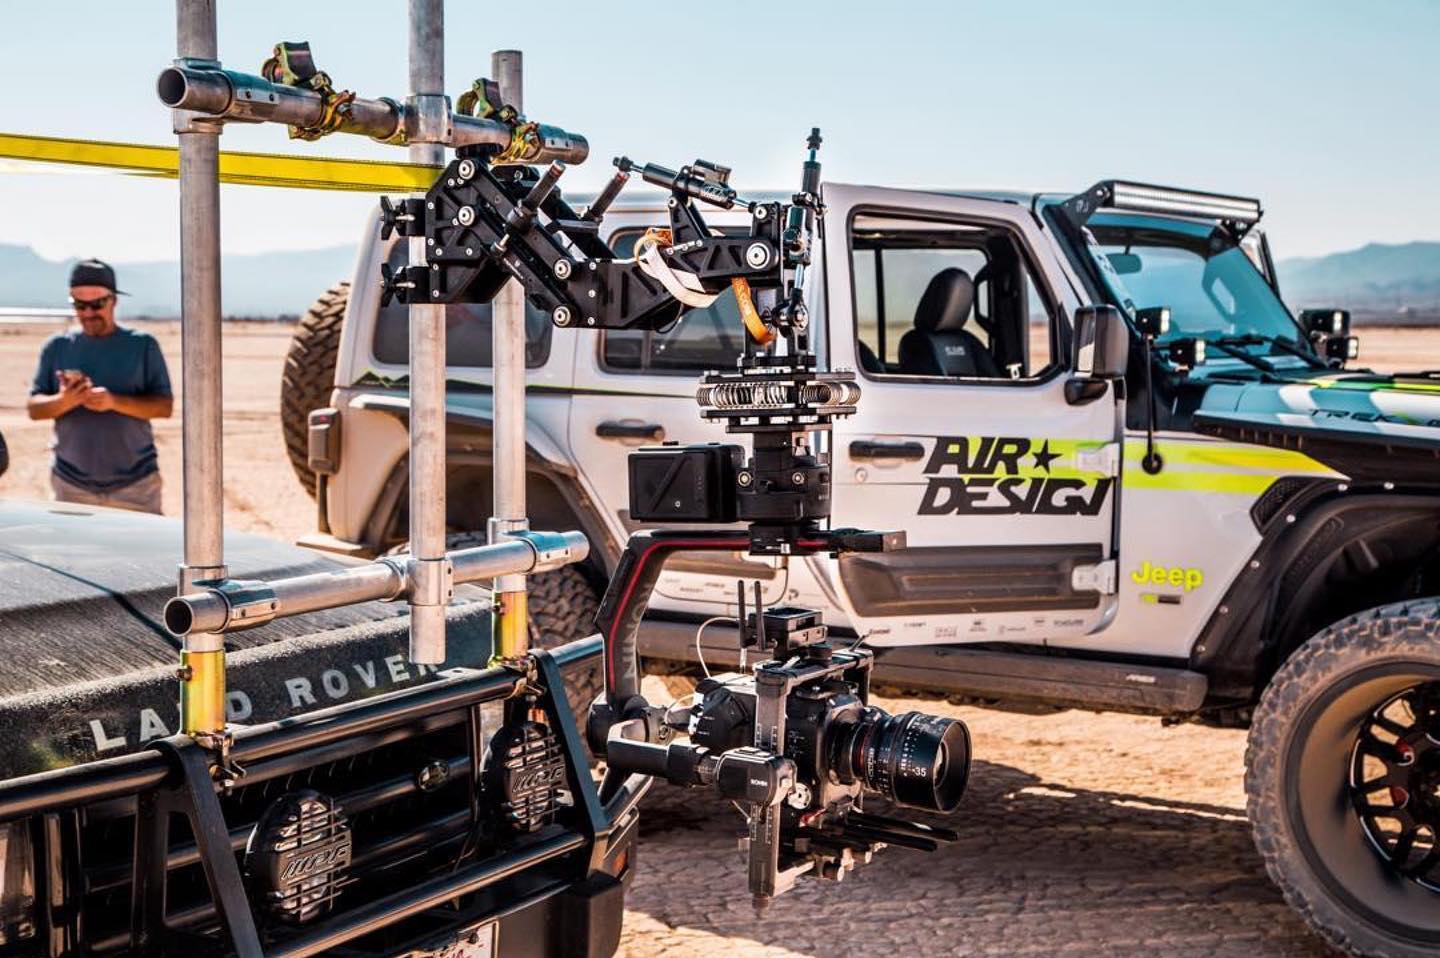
(309, 375)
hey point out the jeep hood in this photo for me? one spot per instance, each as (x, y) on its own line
(1364, 425)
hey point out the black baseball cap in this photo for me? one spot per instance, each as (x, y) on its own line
(94, 272)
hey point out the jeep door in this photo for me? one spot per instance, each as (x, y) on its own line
(957, 317)
(637, 387)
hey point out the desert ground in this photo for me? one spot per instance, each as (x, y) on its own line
(1081, 835)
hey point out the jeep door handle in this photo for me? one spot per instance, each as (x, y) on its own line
(869, 449)
(644, 431)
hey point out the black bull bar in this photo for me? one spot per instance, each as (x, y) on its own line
(589, 847)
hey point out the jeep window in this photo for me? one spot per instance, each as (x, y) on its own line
(467, 330)
(1211, 285)
(709, 338)
(946, 300)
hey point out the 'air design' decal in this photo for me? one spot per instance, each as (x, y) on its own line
(1005, 475)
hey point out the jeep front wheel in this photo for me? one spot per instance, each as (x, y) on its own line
(1342, 776)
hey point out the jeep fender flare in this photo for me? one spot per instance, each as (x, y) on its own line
(1284, 595)
(558, 497)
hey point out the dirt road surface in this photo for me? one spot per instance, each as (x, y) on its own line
(1081, 835)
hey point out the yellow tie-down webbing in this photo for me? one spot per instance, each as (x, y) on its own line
(251, 169)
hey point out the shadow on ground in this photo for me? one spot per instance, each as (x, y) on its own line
(1038, 870)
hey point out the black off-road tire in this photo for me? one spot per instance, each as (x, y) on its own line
(309, 375)
(1297, 771)
(563, 604)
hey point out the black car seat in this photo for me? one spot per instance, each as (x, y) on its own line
(939, 345)
(868, 360)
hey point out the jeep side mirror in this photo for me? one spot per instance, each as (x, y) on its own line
(1102, 353)
(1102, 342)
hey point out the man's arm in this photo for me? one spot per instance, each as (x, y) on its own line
(100, 399)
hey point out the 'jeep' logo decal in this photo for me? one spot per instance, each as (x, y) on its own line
(1004, 475)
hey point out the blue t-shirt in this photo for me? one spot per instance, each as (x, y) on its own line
(101, 451)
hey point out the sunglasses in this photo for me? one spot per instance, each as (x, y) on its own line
(91, 304)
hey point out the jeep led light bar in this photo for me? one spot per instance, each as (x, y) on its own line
(1142, 198)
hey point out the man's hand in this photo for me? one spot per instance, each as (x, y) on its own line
(74, 391)
(99, 399)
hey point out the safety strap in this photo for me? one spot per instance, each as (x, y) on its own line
(680, 283)
(250, 169)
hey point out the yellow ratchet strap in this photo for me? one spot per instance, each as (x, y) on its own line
(249, 169)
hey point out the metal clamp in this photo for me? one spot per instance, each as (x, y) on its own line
(427, 118)
(292, 65)
(192, 121)
(552, 549)
(432, 581)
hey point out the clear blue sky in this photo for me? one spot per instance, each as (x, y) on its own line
(1326, 110)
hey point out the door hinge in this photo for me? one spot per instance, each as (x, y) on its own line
(1104, 460)
(1095, 578)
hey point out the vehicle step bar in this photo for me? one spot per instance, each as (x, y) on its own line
(1008, 677)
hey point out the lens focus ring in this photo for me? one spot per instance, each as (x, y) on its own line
(913, 759)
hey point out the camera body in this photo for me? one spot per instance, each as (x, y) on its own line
(724, 719)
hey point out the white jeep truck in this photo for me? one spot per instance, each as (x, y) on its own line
(1230, 529)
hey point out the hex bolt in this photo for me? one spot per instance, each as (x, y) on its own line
(469, 251)
(744, 480)
(466, 215)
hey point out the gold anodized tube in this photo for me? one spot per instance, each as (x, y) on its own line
(202, 693)
(510, 626)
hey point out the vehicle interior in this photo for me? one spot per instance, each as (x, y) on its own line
(946, 300)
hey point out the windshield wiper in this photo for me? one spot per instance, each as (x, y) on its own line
(1231, 346)
(1260, 339)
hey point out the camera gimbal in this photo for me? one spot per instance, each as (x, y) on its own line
(796, 744)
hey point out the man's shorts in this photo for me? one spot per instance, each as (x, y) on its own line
(142, 495)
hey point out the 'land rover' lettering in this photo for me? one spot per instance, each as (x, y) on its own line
(1004, 475)
(111, 732)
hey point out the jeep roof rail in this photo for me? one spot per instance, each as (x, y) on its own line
(1239, 213)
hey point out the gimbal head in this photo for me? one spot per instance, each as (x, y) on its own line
(796, 743)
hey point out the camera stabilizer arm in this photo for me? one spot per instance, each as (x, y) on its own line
(795, 743)
(483, 224)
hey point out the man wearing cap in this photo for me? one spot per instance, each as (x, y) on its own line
(102, 384)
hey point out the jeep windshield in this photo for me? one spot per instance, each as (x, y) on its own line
(1211, 285)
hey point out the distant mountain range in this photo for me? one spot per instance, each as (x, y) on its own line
(1375, 279)
(258, 285)
(1378, 280)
